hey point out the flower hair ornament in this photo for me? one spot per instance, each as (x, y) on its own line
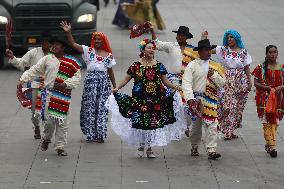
(145, 42)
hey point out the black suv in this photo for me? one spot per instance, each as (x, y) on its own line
(31, 17)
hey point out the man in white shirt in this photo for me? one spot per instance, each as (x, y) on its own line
(61, 75)
(201, 81)
(28, 60)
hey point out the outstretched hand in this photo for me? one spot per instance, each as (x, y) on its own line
(9, 53)
(65, 26)
(204, 35)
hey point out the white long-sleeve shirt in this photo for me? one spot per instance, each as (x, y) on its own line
(195, 78)
(174, 62)
(29, 59)
(48, 66)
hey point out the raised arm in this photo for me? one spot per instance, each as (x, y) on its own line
(67, 28)
(19, 63)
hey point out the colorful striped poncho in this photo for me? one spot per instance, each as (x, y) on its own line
(59, 102)
(210, 101)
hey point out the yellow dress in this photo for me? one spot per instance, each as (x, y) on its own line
(142, 11)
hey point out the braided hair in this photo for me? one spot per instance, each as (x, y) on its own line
(265, 63)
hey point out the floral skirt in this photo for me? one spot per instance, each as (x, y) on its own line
(159, 135)
(233, 98)
(94, 114)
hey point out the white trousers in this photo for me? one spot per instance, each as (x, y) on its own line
(35, 117)
(211, 134)
(53, 126)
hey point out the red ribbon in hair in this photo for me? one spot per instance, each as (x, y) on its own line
(104, 38)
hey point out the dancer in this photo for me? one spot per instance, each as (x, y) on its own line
(236, 59)
(28, 60)
(144, 10)
(201, 81)
(61, 75)
(268, 80)
(121, 19)
(148, 118)
(97, 88)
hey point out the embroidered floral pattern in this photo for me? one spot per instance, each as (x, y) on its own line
(229, 54)
(274, 78)
(148, 108)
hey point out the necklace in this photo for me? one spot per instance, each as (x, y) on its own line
(148, 63)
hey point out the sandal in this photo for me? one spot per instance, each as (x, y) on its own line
(150, 154)
(141, 152)
(267, 148)
(186, 132)
(61, 152)
(227, 137)
(100, 140)
(194, 152)
(234, 136)
(213, 155)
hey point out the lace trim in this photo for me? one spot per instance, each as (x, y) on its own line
(159, 137)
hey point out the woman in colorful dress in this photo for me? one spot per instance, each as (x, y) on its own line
(269, 76)
(97, 87)
(148, 118)
(236, 59)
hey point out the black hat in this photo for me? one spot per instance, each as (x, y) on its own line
(204, 44)
(56, 39)
(184, 30)
(45, 36)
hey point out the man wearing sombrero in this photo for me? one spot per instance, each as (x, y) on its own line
(61, 75)
(201, 80)
(180, 52)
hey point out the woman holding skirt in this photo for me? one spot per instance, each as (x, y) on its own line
(148, 118)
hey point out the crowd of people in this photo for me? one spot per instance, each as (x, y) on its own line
(181, 96)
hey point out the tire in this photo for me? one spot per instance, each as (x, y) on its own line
(2, 63)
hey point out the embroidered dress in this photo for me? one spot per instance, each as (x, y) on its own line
(97, 88)
(233, 96)
(149, 117)
(274, 78)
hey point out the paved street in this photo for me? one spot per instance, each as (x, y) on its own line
(114, 165)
